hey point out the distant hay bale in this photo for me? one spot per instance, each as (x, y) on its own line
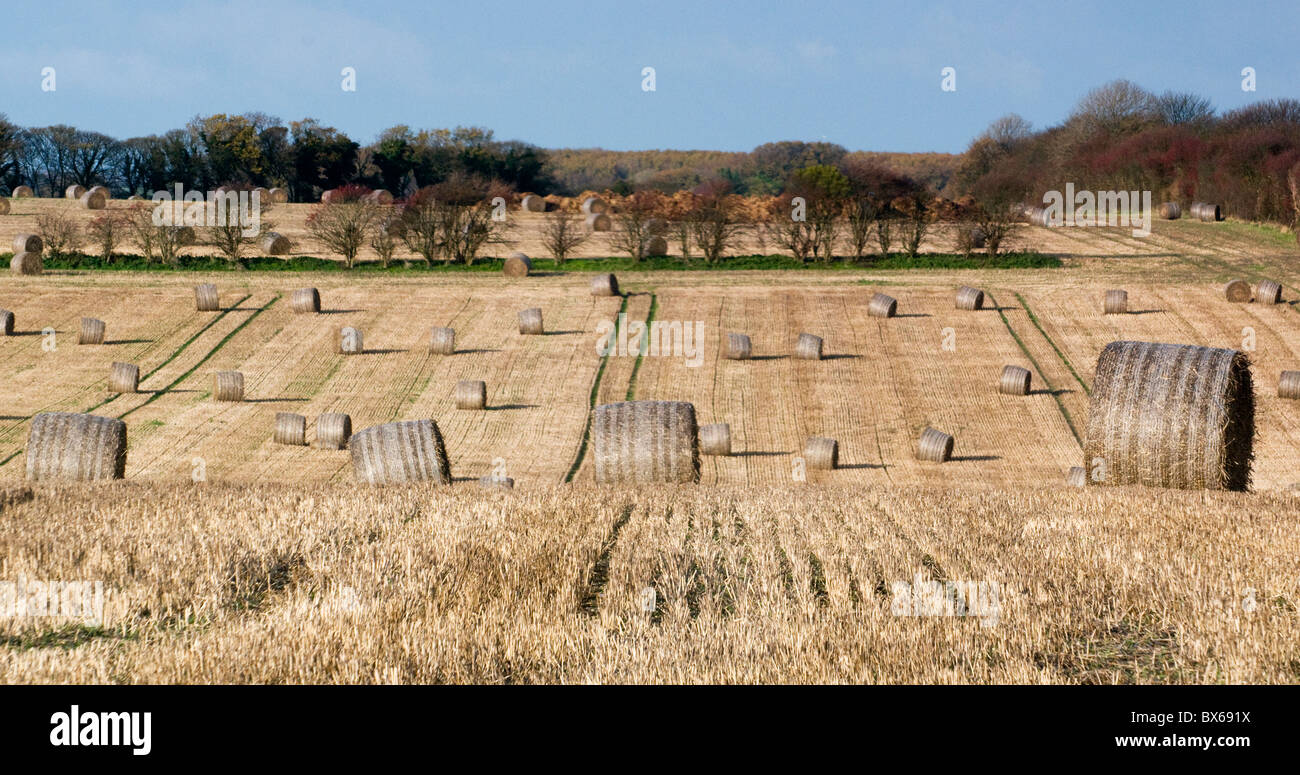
(655, 246)
(1116, 302)
(471, 394)
(327, 196)
(494, 482)
(1238, 291)
(74, 191)
(28, 243)
(186, 235)
(23, 191)
(305, 300)
(1170, 415)
(970, 298)
(657, 227)
(594, 205)
(1015, 381)
(739, 347)
(442, 341)
(1170, 211)
(934, 446)
(228, 386)
(530, 321)
(205, 298)
(278, 195)
(400, 453)
(1037, 216)
(6, 323)
(1077, 477)
(1268, 292)
(637, 442)
(517, 265)
(263, 194)
(290, 429)
(93, 200)
(275, 244)
(822, 454)
(124, 378)
(27, 263)
(4, 206)
(1288, 384)
(808, 347)
(1203, 211)
(882, 306)
(532, 204)
(76, 447)
(92, 331)
(333, 429)
(598, 222)
(604, 285)
(380, 197)
(715, 439)
(350, 341)
(101, 189)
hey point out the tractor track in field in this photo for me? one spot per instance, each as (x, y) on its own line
(1060, 405)
(592, 397)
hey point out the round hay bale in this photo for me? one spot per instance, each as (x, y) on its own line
(530, 321)
(380, 197)
(974, 236)
(135, 198)
(934, 446)
(290, 429)
(1268, 292)
(279, 195)
(186, 235)
(1208, 212)
(350, 341)
(517, 265)
(28, 243)
(739, 347)
(26, 263)
(604, 285)
(6, 323)
(205, 298)
(532, 203)
(1015, 381)
(657, 227)
(76, 447)
(333, 429)
(92, 331)
(275, 244)
(1037, 216)
(101, 189)
(471, 394)
(305, 300)
(1170, 211)
(1077, 477)
(262, 193)
(655, 246)
(93, 200)
(494, 482)
(1288, 384)
(715, 439)
(327, 196)
(4, 206)
(808, 347)
(442, 341)
(598, 222)
(594, 205)
(1116, 302)
(124, 378)
(638, 442)
(822, 454)
(23, 191)
(882, 306)
(74, 191)
(400, 453)
(1170, 415)
(228, 386)
(970, 298)
(1238, 291)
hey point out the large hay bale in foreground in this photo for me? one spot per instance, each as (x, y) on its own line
(808, 347)
(822, 454)
(882, 306)
(92, 331)
(1171, 415)
(636, 442)
(400, 453)
(517, 265)
(23, 191)
(350, 341)
(1170, 211)
(228, 386)
(934, 446)
(6, 323)
(74, 191)
(532, 203)
(715, 439)
(124, 378)
(1015, 381)
(27, 263)
(305, 300)
(1115, 303)
(93, 200)
(77, 447)
(1288, 384)
(530, 321)
(970, 298)
(739, 347)
(275, 244)
(205, 298)
(28, 243)
(290, 429)
(1238, 291)
(442, 341)
(604, 285)
(594, 205)
(471, 394)
(333, 429)
(1268, 292)
(598, 222)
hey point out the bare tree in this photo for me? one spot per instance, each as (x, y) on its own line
(562, 234)
(139, 224)
(453, 219)
(633, 225)
(344, 223)
(714, 226)
(107, 231)
(59, 231)
(787, 226)
(387, 233)
(231, 231)
(917, 219)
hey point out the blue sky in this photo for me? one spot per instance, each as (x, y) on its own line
(729, 76)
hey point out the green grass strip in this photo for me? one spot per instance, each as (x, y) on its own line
(1034, 319)
(640, 351)
(591, 401)
(1059, 403)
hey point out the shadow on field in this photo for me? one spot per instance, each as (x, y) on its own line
(476, 350)
(272, 400)
(1045, 392)
(912, 315)
(768, 357)
(512, 406)
(839, 356)
(340, 311)
(755, 453)
(381, 351)
(128, 341)
(860, 466)
(1144, 311)
(562, 333)
(973, 458)
(27, 333)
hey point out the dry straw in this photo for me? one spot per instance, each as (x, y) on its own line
(228, 386)
(305, 300)
(78, 447)
(442, 341)
(350, 341)
(494, 482)
(6, 323)
(604, 285)
(646, 441)
(598, 222)
(969, 298)
(1170, 211)
(275, 244)
(290, 429)
(400, 453)
(1015, 381)
(28, 243)
(74, 191)
(1238, 291)
(1171, 415)
(517, 265)
(822, 454)
(882, 306)
(808, 347)
(715, 439)
(124, 378)
(23, 191)
(1288, 384)
(205, 298)
(1116, 302)
(471, 394)
(27, 263)
(530, 321)
(1268, 292)
(934, 446)
(594, 205)
(92, 331)
(1077, 477)
(333, 429)
(739, 348)
(532, 203)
